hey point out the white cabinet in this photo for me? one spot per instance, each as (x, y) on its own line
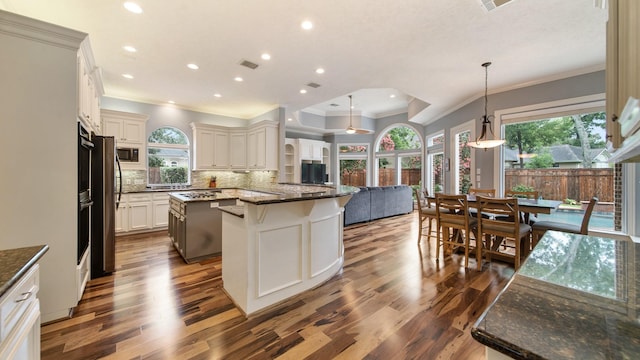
(238, 149)
(142, 211)
(290, 174)
(623, 65)
(89, 89)
(160, 210)
(20, 318)
(129, 130)
(124, 130)
(262, 146)
(310, 149)
(211, 146)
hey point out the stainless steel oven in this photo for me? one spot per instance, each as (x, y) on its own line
(85, 146)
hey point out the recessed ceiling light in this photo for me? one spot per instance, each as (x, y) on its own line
(392, 96)
(319, 71)
(238, 79)
(130, 48)
(265, 56)
(289, 119)
(128, 76)
(193, 66)
(133, 7)
(217, 95)
(303, 91)
(171, 102)
(307, 25)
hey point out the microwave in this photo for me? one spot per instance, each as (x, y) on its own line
(128, 154)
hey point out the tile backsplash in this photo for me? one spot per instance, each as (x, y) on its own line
(136, 180)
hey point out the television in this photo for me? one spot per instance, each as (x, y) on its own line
(313, 173)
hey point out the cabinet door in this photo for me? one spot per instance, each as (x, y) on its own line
(122, 217)
(133, 131)
(238, 150)
(140, 215)
(160, 213)
(221, 150)
(113, 127)
(203, 157)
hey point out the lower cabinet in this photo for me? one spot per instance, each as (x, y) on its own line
(135, 212)
(20, 315)
(160, 210)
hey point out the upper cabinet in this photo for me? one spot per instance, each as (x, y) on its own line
(222, 148)
(262, 146)
(310, 149)
(89, 89)
(129, 130)
(126, 128)
(623, 64)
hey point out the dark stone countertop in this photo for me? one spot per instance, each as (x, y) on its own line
(16, 262)
(271, 194)
(575, 297)
(235, 210)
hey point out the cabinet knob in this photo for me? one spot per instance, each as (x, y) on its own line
(25, 295)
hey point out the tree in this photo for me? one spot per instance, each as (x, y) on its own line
(540, 161)
(167, 135)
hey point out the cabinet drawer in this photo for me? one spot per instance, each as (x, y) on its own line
(15, 302)
(161, 196)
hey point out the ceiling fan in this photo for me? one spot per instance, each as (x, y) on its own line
(351, 129)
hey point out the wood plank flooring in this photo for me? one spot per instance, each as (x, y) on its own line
(392, 300)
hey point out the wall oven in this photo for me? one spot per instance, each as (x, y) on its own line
(85, 146)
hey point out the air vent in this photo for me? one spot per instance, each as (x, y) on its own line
(313, 85)
(249, 64)
(334, 105)
(493, 4)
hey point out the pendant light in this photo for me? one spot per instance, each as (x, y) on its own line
(484, 141)
(351, 129)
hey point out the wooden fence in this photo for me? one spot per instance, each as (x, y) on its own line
(560, 184)
(385, 177)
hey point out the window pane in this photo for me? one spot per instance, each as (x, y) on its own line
(353, 148)
(563, 159)
(168, 135)
(463, 162)
(435, 140)
(400, 138)
(435, 170)
(168, 166)
(411, 171)
(386, 171)
(353, 172)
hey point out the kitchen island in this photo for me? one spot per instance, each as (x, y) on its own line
(280, 241)
(575, 297)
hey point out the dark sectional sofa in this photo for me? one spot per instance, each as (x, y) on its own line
(375, 202)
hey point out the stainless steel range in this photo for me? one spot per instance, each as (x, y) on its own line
(201, 195)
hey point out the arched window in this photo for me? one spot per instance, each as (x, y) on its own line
(168, 157)
(399, 157)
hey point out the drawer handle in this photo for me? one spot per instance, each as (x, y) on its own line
(26, 296)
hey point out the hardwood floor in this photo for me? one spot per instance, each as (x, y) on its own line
(392, 300)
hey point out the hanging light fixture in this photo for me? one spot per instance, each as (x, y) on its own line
(484, 141)
(351, 129)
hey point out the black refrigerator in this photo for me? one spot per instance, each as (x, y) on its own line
(103, 214)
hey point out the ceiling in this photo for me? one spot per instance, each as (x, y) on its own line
(428, 50)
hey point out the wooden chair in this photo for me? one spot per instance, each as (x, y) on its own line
(505, 225)
(540, 227)
(425, 213)
(527, 218)
(452, 212)
(483, 192)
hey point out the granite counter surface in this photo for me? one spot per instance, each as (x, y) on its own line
(16, 262)
(575, 297)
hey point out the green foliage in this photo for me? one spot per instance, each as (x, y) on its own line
(154, 161)
(570, 202)
(173, 175)
(400, 138)
(522, 187)
(167, 135)
(350, 166)
(542, 161)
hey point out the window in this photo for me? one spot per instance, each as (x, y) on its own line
(560, 152)
(462, 156)
(399, 157)
(168, 157)
(435, 162)
(353, 164)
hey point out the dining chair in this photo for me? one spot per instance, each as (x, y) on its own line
(425, 213)
(482, 192)
(540, 227)
(502, 227)
(452, 213)
(527, 218)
